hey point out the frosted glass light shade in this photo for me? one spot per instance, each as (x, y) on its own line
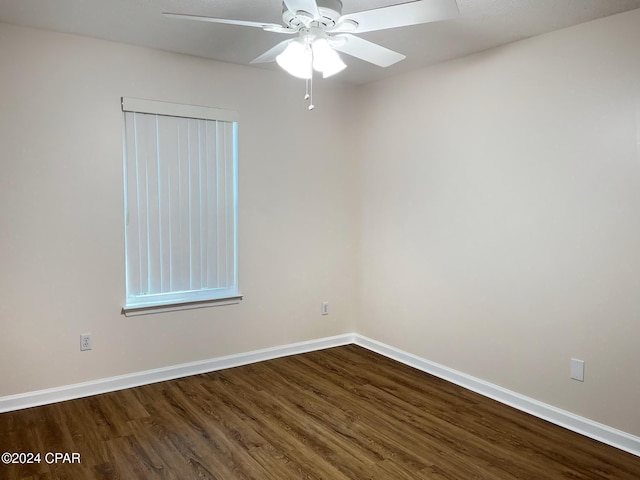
(325, 59)
(296, 60)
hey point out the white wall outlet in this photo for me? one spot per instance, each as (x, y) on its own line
(85, 341)
(577, 369)
(324, 309)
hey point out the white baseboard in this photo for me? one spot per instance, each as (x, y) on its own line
(95, 387)
(603, 433)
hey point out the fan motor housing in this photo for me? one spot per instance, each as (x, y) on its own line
(330, 12)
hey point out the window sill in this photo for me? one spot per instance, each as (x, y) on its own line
(149, 309)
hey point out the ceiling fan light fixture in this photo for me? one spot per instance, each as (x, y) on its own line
(296, 60)
(324, 31)
(325, 59)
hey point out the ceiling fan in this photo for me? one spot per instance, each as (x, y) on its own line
(321, 31)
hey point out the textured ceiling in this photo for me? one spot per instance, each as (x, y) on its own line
(482, 24)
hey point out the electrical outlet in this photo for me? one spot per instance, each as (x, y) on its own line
(325, 308)
(85, 341)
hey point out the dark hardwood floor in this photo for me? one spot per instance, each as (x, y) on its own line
(341, 413)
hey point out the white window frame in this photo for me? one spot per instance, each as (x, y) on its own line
(139, 303)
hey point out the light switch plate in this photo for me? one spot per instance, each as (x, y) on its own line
(577, 369)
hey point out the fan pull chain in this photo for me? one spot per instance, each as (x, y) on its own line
(309, 92)
(309, 95)
(311, 105)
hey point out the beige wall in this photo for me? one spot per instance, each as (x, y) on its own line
(500, 210)
(484, 216)
(61, 204)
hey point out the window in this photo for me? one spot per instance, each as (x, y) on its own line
(180, 169)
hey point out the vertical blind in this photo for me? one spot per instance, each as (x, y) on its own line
(180, 208)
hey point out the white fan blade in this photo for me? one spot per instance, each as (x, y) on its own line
(367, 51)
(309, 6)
(405, 14)
(271, 54)
(243, 23)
